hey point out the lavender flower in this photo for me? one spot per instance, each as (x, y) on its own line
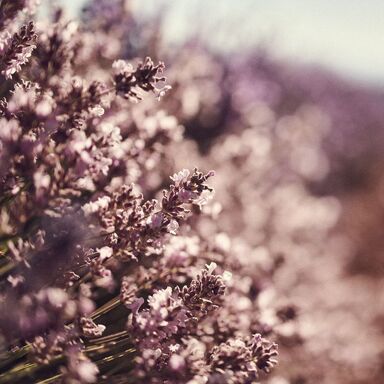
(204, 294)
(171, 315)
(145, 77)
(17, 50)
(237, 361)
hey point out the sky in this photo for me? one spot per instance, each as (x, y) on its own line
(346, 36)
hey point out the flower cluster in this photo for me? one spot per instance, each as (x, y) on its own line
(237, 361)
(146, 76)
(16, 50)
(174, 318)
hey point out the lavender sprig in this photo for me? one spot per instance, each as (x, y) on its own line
(16, 51)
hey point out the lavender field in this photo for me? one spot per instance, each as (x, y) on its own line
(177, 213)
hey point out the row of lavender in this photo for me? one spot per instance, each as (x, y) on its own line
(112, 272)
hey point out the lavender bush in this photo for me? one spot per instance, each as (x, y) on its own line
(95, 286)
(118, 264)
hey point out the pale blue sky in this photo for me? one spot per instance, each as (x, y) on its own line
(345, 35)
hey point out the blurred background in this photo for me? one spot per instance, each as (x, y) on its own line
(285, 100)
(343, 35)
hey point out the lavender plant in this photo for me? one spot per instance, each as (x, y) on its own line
(114, 272)
(105, 276)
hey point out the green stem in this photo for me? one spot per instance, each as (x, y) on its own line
(113, 303)
(7, 268)
(8, 357)
(51, 379)
(24, 370)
